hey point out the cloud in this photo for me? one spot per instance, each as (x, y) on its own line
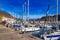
(33, 16)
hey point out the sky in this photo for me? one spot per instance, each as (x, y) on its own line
(37, 8)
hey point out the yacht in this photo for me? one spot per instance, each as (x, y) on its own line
(52, 36)
(29, 28)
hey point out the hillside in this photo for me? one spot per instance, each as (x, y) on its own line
(49, 18)
(6, 15)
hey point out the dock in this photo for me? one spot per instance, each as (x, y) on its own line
(7, 34)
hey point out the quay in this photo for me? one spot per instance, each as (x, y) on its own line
(7, 34)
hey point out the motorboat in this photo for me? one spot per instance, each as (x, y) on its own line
(16, 25)
(29, 28)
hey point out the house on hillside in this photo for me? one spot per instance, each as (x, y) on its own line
(8, 20)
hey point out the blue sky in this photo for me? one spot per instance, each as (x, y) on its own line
(37, 7)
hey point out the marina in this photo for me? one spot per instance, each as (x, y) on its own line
(26, 23)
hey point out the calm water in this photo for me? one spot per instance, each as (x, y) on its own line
(41, 31)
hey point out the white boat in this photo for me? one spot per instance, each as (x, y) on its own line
(28, 29)
(52, 36)
(55, 35)
(48, 26)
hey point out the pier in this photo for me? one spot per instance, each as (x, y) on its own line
(11, 34)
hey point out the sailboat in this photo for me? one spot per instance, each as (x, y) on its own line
(54, 35)
(29, 27)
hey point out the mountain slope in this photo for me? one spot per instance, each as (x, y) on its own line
(48, 18)
(5, 15)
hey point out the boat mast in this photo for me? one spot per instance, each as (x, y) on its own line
(16, 15)
(28, 10)
(47, 12)
(25, 10)
(23, 13)
(57, 14)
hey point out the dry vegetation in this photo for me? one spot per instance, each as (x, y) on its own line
(6, 15)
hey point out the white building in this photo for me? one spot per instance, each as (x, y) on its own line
(8, 20)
